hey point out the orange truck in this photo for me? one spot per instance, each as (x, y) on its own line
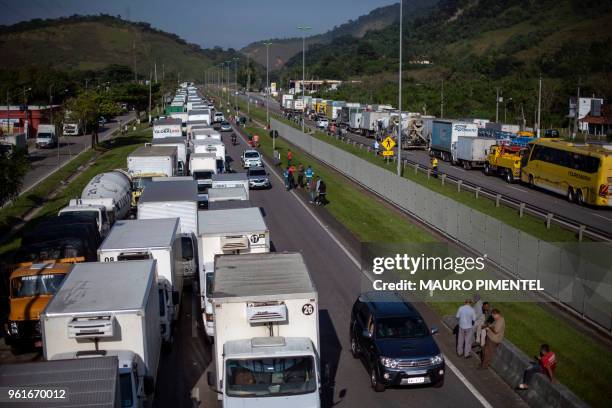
(31, 287)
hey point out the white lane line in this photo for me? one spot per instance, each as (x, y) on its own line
(518, 189)
(450, 365)
(601, 216)
(460, 169)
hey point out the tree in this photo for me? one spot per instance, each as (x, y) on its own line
(90, 106)
(13, 168)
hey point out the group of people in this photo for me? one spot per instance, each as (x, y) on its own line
(480, 326)
(317, 189)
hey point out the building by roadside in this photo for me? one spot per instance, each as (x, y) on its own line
(25, 119)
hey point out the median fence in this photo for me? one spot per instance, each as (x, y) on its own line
(575, 275)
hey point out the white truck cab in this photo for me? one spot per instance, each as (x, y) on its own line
(98, 210)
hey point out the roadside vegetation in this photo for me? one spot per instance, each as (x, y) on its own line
(584, 364)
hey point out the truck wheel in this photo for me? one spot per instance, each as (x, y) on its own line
(467, 165)
(509, 177)
(354, 347)
(487, 170)
(439, 384)
(579, 197)
(376, 385)
(571, 197)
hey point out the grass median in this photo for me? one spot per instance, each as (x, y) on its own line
(112, 154)
(584, 364)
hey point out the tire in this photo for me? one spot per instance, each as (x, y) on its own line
(376, 385)
(579, 198)
(439, 384)
(487, 169)
(467, 165)
(571, 196)
(354, 347)
(509, 177)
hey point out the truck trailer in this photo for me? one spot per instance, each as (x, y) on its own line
(167, 127)
(444, 137)
(473, 151)
(227, 180)
(180, 142)
(266, 331)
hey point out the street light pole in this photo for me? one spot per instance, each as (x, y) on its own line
(248, 86)
(228, 81)
(268, 44)
(540, 108)
(303, 29)
(399, 133)
(236, 81)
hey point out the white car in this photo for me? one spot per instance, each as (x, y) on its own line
(219, 117)
(251, 158)
(322, 123)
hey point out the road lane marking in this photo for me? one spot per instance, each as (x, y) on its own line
(518, 189)
(601, 216)
(471, 388)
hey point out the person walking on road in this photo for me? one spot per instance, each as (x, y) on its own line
(300, 180)
(312, 189)
(289, 157)
(466, 317)
(434, 166)
(495, 335)
(546, 364)
(286, 177)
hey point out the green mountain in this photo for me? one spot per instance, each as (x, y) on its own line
(92, 43)
(377, 19)
(475, 46)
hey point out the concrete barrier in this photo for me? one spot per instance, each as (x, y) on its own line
(510, 363)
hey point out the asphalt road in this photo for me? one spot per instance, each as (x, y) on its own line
(297, 227)
(599, 218)
(44, 161)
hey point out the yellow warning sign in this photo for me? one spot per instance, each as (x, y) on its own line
(388, 143)
(388, 153)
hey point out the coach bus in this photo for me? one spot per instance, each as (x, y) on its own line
(583, 173)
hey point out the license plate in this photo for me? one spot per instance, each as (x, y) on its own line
(413, 380)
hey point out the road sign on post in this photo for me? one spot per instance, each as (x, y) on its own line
(388, 143)
(388, 153)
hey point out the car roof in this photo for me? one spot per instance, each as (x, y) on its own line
(255, 168)
(387, 304)
(251, 151)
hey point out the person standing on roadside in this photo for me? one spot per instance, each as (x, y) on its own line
(321, 193)
(312, 189)
(291, 177)
(495, 335)
(465, 336)
(308, 173)
(434, 166)
(289, 157)
(286, 177)
(300, 180)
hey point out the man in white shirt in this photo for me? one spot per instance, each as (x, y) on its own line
(466, 317)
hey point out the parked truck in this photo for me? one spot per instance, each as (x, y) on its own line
(266, 332)
(66, 377)
(373, 122)
(45, 136)
(234, 231)
(97, 211)
(227, 180)
(180, 142)
(107, 309)
(205, 133)
(167, 127)
(216, 195)
(445, 134)
(150, 161)
(505, 161)
(210, 145)
(472, 151)
(203, 166)
(176, 199)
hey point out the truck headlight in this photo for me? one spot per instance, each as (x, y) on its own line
(14, 328)
(388, 362)
(437, 359)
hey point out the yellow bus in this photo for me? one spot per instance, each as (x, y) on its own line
(583, 173)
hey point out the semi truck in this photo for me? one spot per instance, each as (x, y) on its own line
(234, 231)
(226, 180)
(66, 377)
(105, 309)
(374, 122)
(473, 151)
(176, 199)
(180, 143)
(167, 127)
(444, 137)
(150, 161)
(205, 133)
(266, 332)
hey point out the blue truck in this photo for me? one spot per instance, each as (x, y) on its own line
(445, 134)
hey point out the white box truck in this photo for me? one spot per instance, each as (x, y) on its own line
(227, 180)
(152, 161)
(178, 198)
(205, 133)
(235, 231)
(266, 332)
(45, 136)
(286, 98)
(210, 145)
(199, 115)
(167, 127)
(216, 195)
(472, 151)
(157, 239)
(202, 167)
(105, 309)
(180, 143)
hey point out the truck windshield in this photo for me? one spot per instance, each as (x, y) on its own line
(51, 250)
(401, 327)
(125, 383)
(93, 213)
(44, 136)
(36, 285)
(271, 377)
(202, 175)
(251, 155)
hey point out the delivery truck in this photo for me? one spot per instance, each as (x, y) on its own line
(98, 211)
(107, 309)
(226, 180)
(180, 143)
(157, 239)
(150, 161)
(210, 145)
(266, 332)
(373, 123)
(65, 382)
(444, 137)
(235, 231)
(176, 199)
(227, 194)
(205, 133)
(199, 115)
(167, 127)
(203, 166)
(45, 136)
(473, 151)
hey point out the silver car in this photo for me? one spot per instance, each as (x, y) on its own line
(258, 178)
(226, 127)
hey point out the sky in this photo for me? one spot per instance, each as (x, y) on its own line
(208, 23)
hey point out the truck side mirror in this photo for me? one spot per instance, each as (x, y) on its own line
(148, 384)
(210, 378)
(175, 297)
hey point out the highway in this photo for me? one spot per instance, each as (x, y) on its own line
(598, 218)
(330, 253)
(44, 161)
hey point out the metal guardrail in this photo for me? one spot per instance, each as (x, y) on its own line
(548, 217)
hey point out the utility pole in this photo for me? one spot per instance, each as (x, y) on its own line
(497, 105)
(399, 102)
(228, 81)
(8, 112)
(134, 58)
(303, 29)
(236, 81)
(539, 107)
(163, 72)
(268, 44)
(248, 85)
(155, 65)
(150, 81)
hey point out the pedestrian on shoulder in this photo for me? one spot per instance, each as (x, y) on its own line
(546, 364)
(312, 189)
(495, 335)
(309, 173)
(465, 336)
(291, 176)
(289, 157)
(300, 180)
(322, 193)
(286, 177)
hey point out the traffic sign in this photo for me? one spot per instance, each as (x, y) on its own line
(388, 143)
(388, 153)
